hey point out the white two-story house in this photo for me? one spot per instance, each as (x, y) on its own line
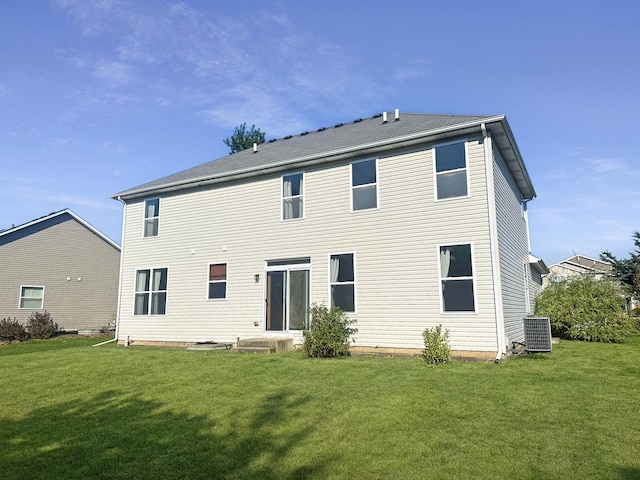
(403, 221)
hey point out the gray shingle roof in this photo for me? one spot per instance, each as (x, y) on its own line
(325, 144)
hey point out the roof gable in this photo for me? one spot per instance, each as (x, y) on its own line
(342, 141)
(54, 218)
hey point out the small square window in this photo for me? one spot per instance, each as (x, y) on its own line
(32, 297)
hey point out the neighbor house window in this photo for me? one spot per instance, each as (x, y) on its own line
(364, 185)
(342, 282)
(151, 217)
(456, 278)
(151, 292)
(451, 170)
(32, 297)
(218, 281)
(293, 196)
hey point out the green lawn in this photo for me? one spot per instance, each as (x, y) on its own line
(71, 411)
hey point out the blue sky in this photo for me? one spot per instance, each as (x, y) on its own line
(100, 96)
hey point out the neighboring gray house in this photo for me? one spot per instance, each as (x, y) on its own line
(61, 264)
(577, 265)
(404, 222)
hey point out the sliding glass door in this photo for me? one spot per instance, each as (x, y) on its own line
(287, 297)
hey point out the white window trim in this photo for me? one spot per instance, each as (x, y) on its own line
(376, 183)
(144, 218)
(283, 198)
(20, 307)
(150, 292)
(472, 278)
(436, 174)
(354, 282)
(226, 280)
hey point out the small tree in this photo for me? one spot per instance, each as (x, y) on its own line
(328, 333)
(40, 325)
(436, 346)
(583, 308)
(243, 138)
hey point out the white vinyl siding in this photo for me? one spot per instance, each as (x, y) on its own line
(397, 281)
(513, 249)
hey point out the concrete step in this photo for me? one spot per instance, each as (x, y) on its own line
(279, 344)
(260, 350)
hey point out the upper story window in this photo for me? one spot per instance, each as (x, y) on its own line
(456, 278)
(293, 196)
(151, 292)
(32, 297)
(218, 281)
(364, 185)
(151, 217)
(451, 170)
(342, 282)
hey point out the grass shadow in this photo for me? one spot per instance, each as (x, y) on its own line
(120, 436)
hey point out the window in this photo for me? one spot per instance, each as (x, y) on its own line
(342, 282)
(218, 281)
(451, 170)
(151, 217)
(456, 278)
(364, 185)
(151, 292)
(293, 196)
(32, 297)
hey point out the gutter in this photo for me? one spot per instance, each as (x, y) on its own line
(124, 212)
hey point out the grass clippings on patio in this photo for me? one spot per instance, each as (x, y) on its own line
(72, 411)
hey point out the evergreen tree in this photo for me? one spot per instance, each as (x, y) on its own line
(243, 138)
(627, 270)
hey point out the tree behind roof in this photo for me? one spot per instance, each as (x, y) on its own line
(243, 138)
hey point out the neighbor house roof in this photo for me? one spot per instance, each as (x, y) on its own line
(6, 235)
(583, 262)
(358, 138)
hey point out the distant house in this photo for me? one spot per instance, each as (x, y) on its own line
(577, 265)
(61, 264)
(404, 222)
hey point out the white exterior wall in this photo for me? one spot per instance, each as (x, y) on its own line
(513, 250)
(395, 247)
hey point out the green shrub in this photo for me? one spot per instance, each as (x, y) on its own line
(436, 346)
(12, 330)
(328, 333)
(583, 308)
(40, 325)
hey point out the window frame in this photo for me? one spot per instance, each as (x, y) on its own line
(225, 281)
(146, 219)
(365, 185)
(442, 279)
(150, 292)
(22, 297)
(437, 174)
(351, 282)
(301, 196)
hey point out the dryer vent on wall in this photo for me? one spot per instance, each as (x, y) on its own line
(537, 334)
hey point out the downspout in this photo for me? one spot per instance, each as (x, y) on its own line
(493, 241)
(124, 213)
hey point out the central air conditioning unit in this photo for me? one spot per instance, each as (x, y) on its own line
(537, 334)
